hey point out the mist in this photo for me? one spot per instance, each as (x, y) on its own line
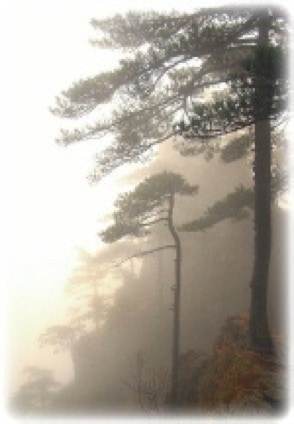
(133, 333)
(132, 288)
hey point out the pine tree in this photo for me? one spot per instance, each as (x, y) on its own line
(153, 202)
(256, 97)
(160, 89)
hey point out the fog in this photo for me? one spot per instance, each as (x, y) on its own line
(137, 322)
(90, 325)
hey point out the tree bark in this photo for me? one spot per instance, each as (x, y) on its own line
(260, 336)
(176, 307)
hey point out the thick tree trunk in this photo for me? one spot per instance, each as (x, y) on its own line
(176, 308)
(259, 328)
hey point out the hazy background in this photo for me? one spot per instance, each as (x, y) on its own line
(49, 209)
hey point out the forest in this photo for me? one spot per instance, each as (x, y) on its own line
(184, 307)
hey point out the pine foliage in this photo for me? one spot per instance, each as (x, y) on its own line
(234, 206)
(137, 210)
(158, 89)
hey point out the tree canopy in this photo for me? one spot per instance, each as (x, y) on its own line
(151, 202)
(37, 393)
(234, 206)
(137, 210)
(161, 83)
(196, 76)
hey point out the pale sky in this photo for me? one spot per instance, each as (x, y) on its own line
(49, 208)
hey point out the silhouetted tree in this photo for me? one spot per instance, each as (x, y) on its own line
(60, 337)
(256, 95)
(37, 393)
(160, 90)
(234, 206)
(153, 202)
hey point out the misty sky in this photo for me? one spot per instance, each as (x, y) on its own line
(50, 209)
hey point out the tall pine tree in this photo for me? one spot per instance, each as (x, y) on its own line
(153, 202)
(160, 89)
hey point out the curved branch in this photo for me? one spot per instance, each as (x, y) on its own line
(146, 252)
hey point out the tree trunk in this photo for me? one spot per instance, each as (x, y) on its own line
(176, 308)
(260, 336)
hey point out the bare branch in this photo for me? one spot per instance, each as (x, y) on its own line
(146, 252)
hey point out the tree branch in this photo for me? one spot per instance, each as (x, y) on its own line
(155, 221)
(146, 252)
